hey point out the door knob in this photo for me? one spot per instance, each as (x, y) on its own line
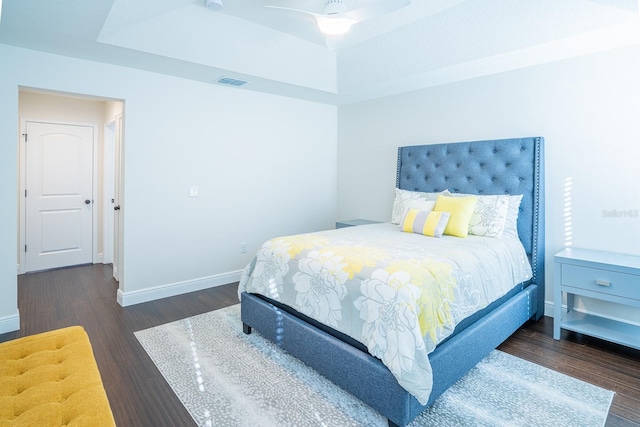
(116, 208)
(87, 202)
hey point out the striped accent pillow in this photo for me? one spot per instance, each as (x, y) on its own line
(429, 223)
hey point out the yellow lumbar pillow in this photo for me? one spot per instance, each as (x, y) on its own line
(428, 223)
(460, 210)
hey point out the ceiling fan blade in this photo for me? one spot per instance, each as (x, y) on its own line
(330, 24)
(340, 23)
(306, 12)
(379, 8)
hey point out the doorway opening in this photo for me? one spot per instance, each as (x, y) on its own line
(69, 184)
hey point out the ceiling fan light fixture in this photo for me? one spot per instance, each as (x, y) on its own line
(332, 7)
(333, 26)
(214, 4)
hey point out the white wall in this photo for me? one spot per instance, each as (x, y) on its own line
(9, 319)
(265, 166)
(587, 109)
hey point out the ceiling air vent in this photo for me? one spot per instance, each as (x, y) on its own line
(232, 82)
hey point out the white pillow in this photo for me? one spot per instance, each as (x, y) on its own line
(489, 216)
(492, 214)
(400, 205)
(511, 223)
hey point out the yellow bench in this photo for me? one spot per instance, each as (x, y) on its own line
(52, 379)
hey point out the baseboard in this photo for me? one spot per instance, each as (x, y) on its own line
(548, 308)
(126, 299)
(10, 323)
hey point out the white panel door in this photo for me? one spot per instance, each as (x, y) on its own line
(59, 195)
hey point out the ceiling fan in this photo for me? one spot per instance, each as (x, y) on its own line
(337, 19)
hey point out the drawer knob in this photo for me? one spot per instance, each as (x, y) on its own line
(603, 283)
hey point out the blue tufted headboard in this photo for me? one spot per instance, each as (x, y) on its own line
(505, 166)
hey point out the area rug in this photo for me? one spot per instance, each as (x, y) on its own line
(226, 378)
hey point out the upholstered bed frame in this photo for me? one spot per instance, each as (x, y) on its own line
(509, 166)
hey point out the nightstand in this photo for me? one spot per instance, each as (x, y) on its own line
(600, 275)
(354, 222)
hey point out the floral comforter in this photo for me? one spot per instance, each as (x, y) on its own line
(399, 294)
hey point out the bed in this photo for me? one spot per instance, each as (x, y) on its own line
(480, 168)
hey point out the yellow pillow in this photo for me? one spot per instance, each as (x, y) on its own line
(428, 223)
(461, 210)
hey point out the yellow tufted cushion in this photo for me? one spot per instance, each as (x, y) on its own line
(52, 379)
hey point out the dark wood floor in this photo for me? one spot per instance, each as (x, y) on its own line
(139, 396)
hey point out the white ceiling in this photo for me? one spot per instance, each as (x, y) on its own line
(427, 43)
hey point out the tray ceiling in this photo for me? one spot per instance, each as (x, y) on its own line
(427, 43)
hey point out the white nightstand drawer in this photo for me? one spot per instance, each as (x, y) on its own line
(603, 281)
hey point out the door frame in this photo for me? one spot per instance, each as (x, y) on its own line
(111, 179)
(22, 183)
(108, 189)
(118, 192)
